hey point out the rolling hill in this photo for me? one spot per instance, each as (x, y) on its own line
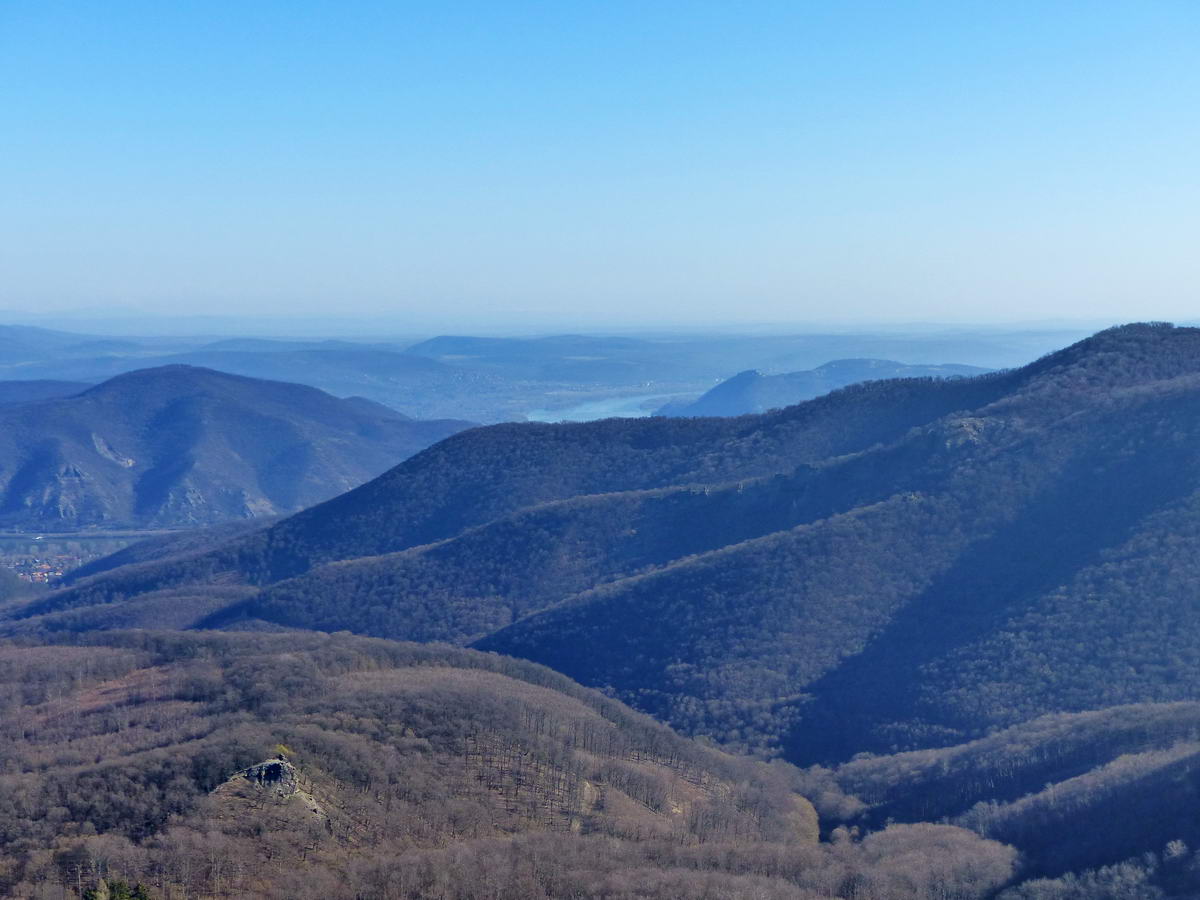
(1129, 772)
(484, 475)
(179, 446)
(500, 379)
(424, 388)
(986, 568)
(897, 565)
(753, 392)
(298, 766)
(969, 601)
(22, 344)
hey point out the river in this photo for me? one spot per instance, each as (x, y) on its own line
(627, 407)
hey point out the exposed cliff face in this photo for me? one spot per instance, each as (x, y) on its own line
(275, 775)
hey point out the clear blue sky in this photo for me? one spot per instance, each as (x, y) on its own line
(603, 162)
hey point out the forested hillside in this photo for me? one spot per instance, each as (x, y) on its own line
(985, 568)
(780, 567)
(12, 588)
(485, 474)
(988, 583)
(177, 446)
(339, 767)
(964, 601)
(1127, 770)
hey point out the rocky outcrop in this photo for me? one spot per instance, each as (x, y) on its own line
(274, 792)
(275, 775)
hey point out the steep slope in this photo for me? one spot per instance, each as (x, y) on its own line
(486, 474)
(753, 392)
(897, 565)
(168, 546)
(464, 588)
(1014, 762)
(993, 541)
(1127, 771)
(304, 766)
(177, 445)
(12, 588)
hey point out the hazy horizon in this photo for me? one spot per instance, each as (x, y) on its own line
(600, 450)
(387, 327)
(513, 166)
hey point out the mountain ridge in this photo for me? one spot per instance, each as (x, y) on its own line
(180, 445)
(753, 392)
(778, 567)
(965, 600)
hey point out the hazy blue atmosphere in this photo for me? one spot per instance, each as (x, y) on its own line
(605, 451)
(475, 166)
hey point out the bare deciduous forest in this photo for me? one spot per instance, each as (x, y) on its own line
(918, 638)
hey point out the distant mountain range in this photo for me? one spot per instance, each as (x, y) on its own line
(966, 599)
(753, 392)
(786, 561)
(498, 379)
(180, 446)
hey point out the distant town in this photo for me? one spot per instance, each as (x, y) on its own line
(46, 559)
(41, 569)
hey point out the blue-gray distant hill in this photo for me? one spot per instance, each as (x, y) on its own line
(42, 389)
(182, 446)
(490, 379)
(753, 392)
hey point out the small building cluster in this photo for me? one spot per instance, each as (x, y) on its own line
(40, 570)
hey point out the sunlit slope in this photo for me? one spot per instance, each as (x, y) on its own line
(898, 565)
(182, 446)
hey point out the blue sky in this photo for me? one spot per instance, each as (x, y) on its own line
(603, 163)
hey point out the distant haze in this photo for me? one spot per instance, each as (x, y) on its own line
(478, 166)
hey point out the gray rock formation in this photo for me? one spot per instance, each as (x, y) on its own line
(275, 775)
